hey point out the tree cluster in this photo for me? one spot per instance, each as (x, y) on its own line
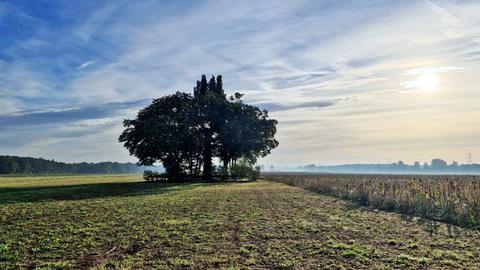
(186, 132)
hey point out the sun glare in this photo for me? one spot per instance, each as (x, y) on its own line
(427, 83)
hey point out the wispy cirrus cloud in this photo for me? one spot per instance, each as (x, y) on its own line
(7, 106)
(275, 107)
(432, 70)
(86, 64)
(306, 61)
(49, 131)
(53, 116)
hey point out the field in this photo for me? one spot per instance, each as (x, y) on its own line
(121, 222)
(453, 199)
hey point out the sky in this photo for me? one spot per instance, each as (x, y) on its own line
(348, 81)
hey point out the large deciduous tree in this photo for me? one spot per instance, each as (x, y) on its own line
(165, 131)
(186, 132)
(247, 132)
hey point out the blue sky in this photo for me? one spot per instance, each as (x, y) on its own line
(349, 81)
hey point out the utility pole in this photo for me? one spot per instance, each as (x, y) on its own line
(469, 158)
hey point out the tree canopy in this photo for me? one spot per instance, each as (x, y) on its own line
(185, 132)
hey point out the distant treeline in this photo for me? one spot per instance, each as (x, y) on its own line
(437, 166)
(28, 165)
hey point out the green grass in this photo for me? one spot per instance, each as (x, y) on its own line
(121, 222)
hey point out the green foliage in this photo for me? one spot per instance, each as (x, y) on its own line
(244, 170)
(28, 165)
(185, 132)
(154, 176)
(407, 260)
(166, 131)
(353, 251)
(247, 132)
(255, 174)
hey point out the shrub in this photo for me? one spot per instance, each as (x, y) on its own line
(255, 174)
(154, 176)
(244, 170)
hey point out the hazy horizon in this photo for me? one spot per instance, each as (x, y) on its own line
(350, 82)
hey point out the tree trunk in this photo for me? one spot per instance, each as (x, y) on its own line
(190, 167)
(207, 156)
(198, 167)
(225, 168)
(225, 164)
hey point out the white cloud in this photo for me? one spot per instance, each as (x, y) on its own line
(432, 70)
(7, 106)
(357, 53)
(21, 80)
(86, 64)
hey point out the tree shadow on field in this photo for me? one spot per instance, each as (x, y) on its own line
(87, 191)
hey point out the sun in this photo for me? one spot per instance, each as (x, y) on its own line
(427, 82)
